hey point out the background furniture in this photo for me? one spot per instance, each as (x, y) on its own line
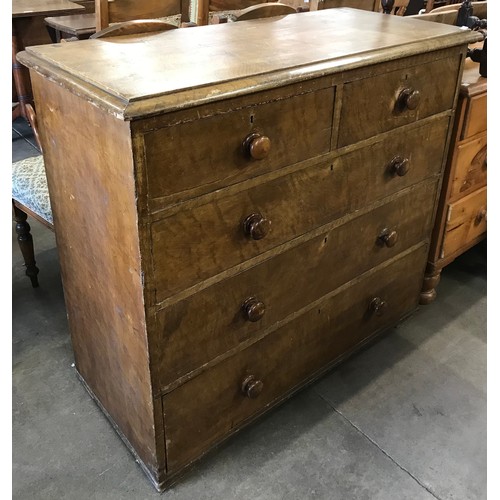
(372, 5)
(117, 11)
(461, 217)
(30, 196)
(263, 10)
(207, 280)
(28, 29)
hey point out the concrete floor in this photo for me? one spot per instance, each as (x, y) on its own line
(403, 419)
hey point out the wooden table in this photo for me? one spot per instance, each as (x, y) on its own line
(28, 29)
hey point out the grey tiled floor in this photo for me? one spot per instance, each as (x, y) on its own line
(403, 419)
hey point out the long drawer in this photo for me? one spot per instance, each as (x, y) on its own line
(235, 143)
(466, 221)
(288, 207)
(381, 103)
(212, 321)
(209, 407)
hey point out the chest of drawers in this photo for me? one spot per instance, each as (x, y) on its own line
(461, 217)
(231, 222)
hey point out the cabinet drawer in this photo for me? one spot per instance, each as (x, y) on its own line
(207, 408)
(465, 222)
(197, 329)
(387, 101)
(475, 117)
(469, 169)
(202, 155)
(293, 205)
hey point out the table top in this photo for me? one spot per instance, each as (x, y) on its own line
(30, 8)
(210, 63)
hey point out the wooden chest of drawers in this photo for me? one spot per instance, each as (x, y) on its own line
(233, 222)
(461, 218)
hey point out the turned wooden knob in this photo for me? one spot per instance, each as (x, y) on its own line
(388, 237)
(378, 306)
(256, 226)
(399, 166)
(257, 145)
(481, 216)
(409, 99)
(251, 387)
(253, 309)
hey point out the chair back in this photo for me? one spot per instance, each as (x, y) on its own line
(117, 11)
(479, 9)
(399, 7)
(371, 5)
(443, 17)
(136, 27)
(263, 10)
(206, 7)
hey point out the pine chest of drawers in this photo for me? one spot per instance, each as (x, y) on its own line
(239, 207)
(461, 216)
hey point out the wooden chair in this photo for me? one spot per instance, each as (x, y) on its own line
(211, 11)
(398, 8)
(264, 10)
(134, 28)
(449, 13)
(371, 5)
(444, 17)
(116, 11)
(479, 9)
(30, 196)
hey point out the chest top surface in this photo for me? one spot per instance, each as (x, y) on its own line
(224, 59)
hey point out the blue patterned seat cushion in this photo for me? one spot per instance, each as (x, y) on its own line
(29, 186)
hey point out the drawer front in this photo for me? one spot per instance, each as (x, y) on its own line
(469, 167)
(475, 117)
(466, 221)
(387, 101)
(211, 237)
(214, 320)
(209, 407)
(205, 154)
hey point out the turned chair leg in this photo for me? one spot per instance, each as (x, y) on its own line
(26, 245)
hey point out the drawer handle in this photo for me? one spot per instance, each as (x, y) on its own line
(257, 145)
(388, 237)
(408, 99)
(256, 226)
(252, 387)
(482, 214)
(399, 166)
(253, 309)
(378, 306)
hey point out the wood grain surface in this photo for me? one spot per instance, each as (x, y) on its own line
(210, 322)
(210, 407)
(350, 38)
(294, 204)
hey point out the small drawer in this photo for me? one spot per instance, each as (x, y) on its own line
(197, 329)
(220, 400)
(475, 116)
(288, 207)
(469, 167)
(389, 100)
(233, 144)
(466, 221)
